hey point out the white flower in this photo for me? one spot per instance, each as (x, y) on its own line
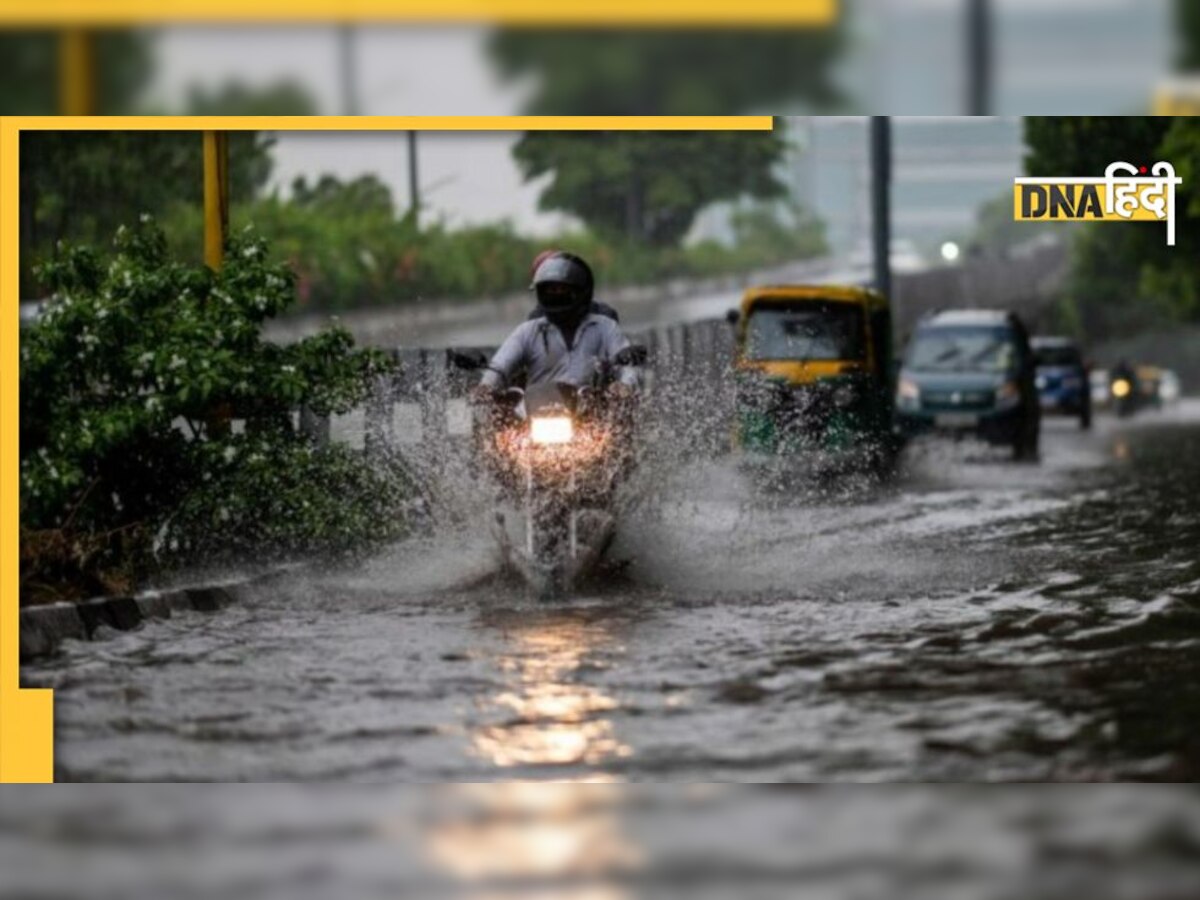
(229, 453)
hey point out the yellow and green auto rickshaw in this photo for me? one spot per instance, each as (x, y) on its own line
(814, 369)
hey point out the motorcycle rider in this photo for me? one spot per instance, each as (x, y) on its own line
(597, 306)
(565, 340)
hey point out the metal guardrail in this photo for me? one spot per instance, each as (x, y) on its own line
(426, 399)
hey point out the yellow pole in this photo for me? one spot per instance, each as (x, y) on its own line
(76, 73)
(216, 197)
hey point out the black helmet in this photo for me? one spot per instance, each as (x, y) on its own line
(564, 284)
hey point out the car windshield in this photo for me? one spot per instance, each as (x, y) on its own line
(1061, 355)
(806, 330)
(961, 349)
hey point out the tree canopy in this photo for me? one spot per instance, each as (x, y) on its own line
(649, 187)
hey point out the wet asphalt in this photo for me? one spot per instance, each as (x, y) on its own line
(973, 619)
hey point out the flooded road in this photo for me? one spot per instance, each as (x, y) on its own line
(974, 620)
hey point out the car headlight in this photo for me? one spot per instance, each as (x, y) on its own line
(1008, 394)
(908, 390)
(552, 430)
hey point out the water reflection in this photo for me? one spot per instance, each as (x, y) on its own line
(565, 835)
(549, 717)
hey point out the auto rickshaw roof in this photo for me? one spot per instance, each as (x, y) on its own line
(838, 293)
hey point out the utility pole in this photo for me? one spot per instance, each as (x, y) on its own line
(978, 61)
(216, 197)
(349, 80)
(76, 72)
(881, 204)
(414, 190)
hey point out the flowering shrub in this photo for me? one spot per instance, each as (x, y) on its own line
(130, 383)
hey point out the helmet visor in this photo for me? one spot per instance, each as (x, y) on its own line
(555, 296)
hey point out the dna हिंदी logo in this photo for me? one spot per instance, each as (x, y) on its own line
(1126, 193)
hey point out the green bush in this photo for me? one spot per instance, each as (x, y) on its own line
(130, 383)
(349, 249)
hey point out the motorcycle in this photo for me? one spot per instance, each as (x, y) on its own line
(1126, 395)
(559, 452)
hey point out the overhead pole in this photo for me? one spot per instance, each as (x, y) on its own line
(349, 77)
(979, 58)
(414, 188)
(216, 197)
(881, 205)
(76, 72)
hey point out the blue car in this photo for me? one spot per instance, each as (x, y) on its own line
(1062, 379)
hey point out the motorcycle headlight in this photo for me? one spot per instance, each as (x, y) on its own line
(1121, 388)
(551, 430)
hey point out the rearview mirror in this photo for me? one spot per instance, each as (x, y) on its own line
(633, 355)
(468, 360)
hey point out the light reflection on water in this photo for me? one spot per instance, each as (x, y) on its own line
(567, 834)
(549, 717)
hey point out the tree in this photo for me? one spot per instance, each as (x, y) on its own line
(119, 454)
(1085, 145)
(81, 186)
(648, 187)
(29, 71)
(1187, 14)
(658, 72)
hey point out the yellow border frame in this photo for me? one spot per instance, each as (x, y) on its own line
(27, 716)
(57, 13)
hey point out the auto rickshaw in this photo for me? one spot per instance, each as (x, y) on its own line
(813, 366)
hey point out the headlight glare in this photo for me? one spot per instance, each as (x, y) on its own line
(551, 430)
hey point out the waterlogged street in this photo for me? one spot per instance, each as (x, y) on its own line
(974, 620)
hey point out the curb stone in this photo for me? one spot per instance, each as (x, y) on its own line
(44, 628)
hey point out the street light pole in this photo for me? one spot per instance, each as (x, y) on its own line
(349, 79)
(216, 197)
(978, 58)
(414, 190)
(881, 203)
(76, 72)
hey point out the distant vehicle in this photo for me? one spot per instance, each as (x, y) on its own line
(814, 368)
(971, 373)
(1062, 378)
(1150, 383)
(1126, 389)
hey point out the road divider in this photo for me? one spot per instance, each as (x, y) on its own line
(43, 628)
